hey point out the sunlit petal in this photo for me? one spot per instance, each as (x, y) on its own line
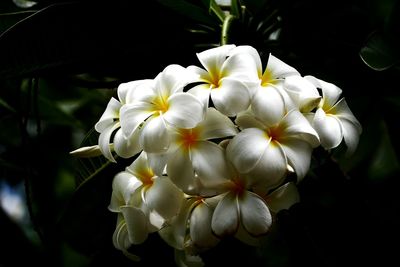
(172, 79)
(246, 149)
(210, 163)
(278, 68)
(185, 110)
(111, 113)
(104, 141)
(254, 213)
(270, 170)
(247, 119)
(225, 220)
(132, 115)
(268, 105)
(181, 172)
(154, 137)
(216, 125)
(126, 90)
(296, 125)
(126, 147)
(328, 128)
(330, 92)
(302, 92)
(231, 97)
(202, 92)
(252, 52)
(212, 59)
(164, 197)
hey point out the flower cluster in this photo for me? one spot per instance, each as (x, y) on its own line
(213, 146)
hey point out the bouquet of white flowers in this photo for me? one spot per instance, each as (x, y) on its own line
(213, 147)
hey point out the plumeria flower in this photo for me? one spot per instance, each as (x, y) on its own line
(110, 123)
(158, 105)
(302, 92)
(269, 101)
(265, 149)
(145, 200)
(224, 79)
(193, 160)
(333, 119)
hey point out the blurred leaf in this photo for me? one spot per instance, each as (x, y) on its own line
(213, 7)
(384, 161)
(76, 37)
(5, 105)
(378, 54)
(24, 3)
(236, 9)
(8, 20)
(191, 11)
(254, 5)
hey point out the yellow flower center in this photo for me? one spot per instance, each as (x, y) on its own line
(189, 137)
(275, 133)
(146, 176)
(267, 78)
(160, 104)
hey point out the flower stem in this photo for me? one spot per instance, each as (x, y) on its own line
(225, 29)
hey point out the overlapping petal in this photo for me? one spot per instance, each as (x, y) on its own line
(329, 129)
(185, 110)
(200, 226)
(225, 220)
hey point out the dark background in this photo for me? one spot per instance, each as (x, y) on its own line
(60, 62)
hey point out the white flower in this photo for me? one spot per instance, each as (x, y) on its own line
(110, 121)
(302, 92)
(145, 200)
(193, 161)
(264, 150)
(269, 101)
(224, 79)
(158, 105)
(333, 119)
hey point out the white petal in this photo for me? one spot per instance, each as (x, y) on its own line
(185, 110)
(296, 125)
(200, 227)
(164, 197)
(136, 224)
(210, 163)
(157, 162)
(154, 137)
(104, 141)
(246, 149)
(140, 166)
(111, 113)
(298, 153)
(225, 220)
(279, 69)
(246, 238)
(330, 92)
(270, 170)
(202, 74)
(342, 111)
(172, 79)
(253, 53)
(212, 59)
(174, 234)
(283, 197)
(231, 97)
(328, 128)
(247, 119)
(143, 92)
(351, 135)
(126, 147)
(181, 172)
(86, 152)
(121, 237)
(242, 65)
(202, 92)
(127, 89)
(132, 115)
(303, 93)
(216, 125)
(124, 186)
(268, 105)
(254, 214)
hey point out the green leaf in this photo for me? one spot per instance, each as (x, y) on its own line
(5, 105)
(236, 9)
(7, 20)
(254, 5)
(378, 53)
(216, 9)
